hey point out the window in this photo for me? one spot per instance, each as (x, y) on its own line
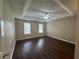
(40, 28)
(27, 28)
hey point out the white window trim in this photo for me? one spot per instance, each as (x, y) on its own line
(30, 29)
(42, 28)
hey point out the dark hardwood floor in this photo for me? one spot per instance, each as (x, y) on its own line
(43, 48)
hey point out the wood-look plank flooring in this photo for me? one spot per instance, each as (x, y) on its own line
(43, 48)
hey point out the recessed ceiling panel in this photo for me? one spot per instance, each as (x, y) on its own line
(40, 8)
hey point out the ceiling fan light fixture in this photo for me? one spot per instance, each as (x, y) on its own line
(46, 17)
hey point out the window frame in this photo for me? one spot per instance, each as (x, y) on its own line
(39, 28)
(25, 33)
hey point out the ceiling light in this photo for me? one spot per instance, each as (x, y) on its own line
(46, 17)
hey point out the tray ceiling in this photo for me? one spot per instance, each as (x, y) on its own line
(39, 10)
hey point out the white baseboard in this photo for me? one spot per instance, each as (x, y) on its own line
(13, 50)
(63, 40)
(52, 37)
(28, 38)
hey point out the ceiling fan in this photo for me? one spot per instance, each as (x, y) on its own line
(46, 14)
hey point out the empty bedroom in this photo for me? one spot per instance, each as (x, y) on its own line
(39, 29)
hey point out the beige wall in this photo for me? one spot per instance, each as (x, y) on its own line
(8, 38)
(0, 35)
(1, 16)
(62, 29)
(34, 29)
(77, 38)
(77, 35)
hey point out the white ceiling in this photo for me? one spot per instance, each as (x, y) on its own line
(17, 6)
(37, 9)
(72, 5)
